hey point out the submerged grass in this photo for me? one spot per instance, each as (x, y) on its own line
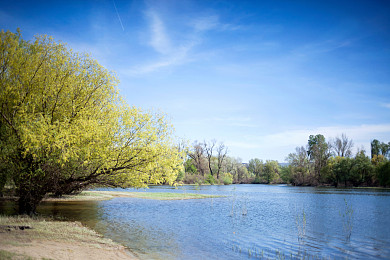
(106, 195)
(168, 195)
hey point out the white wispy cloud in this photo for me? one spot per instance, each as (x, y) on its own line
(159, 38)
(171, 53)
(212, 22)
(205, 23)
(325, 46)
(386, 105)
(234, 121)
(244, 122)
(243, 145)
(173, 59)
(179, 51)
(279, 145)
(360, 133)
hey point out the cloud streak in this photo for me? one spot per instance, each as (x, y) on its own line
(205, 23)
(170, 54)
(119, 18)
(173, 53)
(170, 60)
(159, 39)
(282, 143)
(360, 133)
(386, 105)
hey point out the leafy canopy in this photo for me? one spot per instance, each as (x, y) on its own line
(62, 122)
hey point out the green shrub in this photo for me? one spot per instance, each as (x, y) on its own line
(180, 176)
(227, 178)
(210, 179)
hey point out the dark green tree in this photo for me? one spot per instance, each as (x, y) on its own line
(285, 174)
(362, 170)
(318, 152)
(383, 174)
(271, 171)
(342, 170)
(256, 167)
(190, 167)
(375, 147)
(299, 166)
(380, 148)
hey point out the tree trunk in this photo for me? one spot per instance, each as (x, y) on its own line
(28, 203)
(31, 190)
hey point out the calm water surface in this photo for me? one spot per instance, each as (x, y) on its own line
(252, 221)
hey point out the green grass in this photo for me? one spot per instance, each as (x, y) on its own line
(372, 188)
(106, 195)
(42, 228)
(152, 195)
(85, 195)
(6, 255)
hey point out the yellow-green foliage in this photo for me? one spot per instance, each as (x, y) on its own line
(61, 110)
(227, 178)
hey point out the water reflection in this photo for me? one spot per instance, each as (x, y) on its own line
(255, 221)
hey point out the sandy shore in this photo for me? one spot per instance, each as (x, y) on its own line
(38, 249)
(41, 239)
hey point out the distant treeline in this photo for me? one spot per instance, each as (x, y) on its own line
(320, 162)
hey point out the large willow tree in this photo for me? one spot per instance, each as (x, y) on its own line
(64, 128)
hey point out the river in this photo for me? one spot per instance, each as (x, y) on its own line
(249, 222)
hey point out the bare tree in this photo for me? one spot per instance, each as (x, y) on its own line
(342, 146)
(209, 148)
(183, 148)
(198, 155)
(221, 153)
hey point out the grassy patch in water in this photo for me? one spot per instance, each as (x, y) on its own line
(106, 195)
(152, 195)
(85, 195)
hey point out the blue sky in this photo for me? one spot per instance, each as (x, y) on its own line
(260, 76)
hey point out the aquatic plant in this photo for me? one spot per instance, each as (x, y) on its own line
(300, 222)
(347, 216)
(233, 202)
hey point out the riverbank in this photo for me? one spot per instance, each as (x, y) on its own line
(22, 237)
